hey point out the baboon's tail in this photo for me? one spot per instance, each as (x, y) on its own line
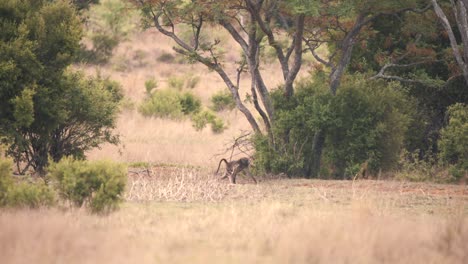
(225, 161)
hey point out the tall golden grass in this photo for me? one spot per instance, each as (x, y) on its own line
(277, 221)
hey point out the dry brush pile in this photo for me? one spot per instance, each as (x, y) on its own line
(175, 184)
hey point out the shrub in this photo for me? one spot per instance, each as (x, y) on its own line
(103, 47)
(5, 180)
(453, 143)
(166, 58)
(170, 104)
(150, 85)
(110, 22)
(222, 101)
(97, 185)
(201, 119)
(414, 168)
(178, 83)
(162, 103)
(175, 82)
(365, 122)
(190, 104)
(24, 194)
(31, 195)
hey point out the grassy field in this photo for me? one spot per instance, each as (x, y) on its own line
(184, 215)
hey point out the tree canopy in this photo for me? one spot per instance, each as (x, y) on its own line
(391, 40)
(47, 110)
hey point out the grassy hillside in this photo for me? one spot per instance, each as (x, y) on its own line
(141, 58)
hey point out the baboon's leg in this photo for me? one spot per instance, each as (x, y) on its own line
(247, 171)
(232, 177)
(226, 174)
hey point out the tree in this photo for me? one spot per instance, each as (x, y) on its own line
(414, 49)
(248, 23)
(339, 25)
(48, 111)
(84, 4)
(460, 12)
(454, 140)
(307, 24)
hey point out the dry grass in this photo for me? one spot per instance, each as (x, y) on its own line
(277, 221)
(167, 141)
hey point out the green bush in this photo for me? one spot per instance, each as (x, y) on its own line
(162, 103)
(170, 104)
(222, 100)
(97, 185)
(110, 22)
(166, 58)
(190, 104)
(5, 180)
(150, 85)
(24, 194)
(201, 119)
(31, 195)
(453, 143)
(365, 122)
(178, 83)
(414, 168)
(103, 47)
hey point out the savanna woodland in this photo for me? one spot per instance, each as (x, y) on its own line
(352, 116)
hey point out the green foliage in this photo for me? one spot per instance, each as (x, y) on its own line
(24, 194)
(109, 23)
(92, 106)
(98, 185)
(46, 109)
(453, 143)
(84, 4)
(414, 168)
(103, 48)
(190, 103)
(390, 38)
(175, 82)
(365, 121)
(24, 108)
(178, 83)
(150, 85)
(30, 195)
(5, 180)
(170, 103)
(162, 103)
(221, 101)
(201, 119)
(166, 58)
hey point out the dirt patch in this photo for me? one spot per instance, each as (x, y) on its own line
(394, 187)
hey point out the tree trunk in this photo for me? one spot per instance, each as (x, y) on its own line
(313, 162)
(462, 20)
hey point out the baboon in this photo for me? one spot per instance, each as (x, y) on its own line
(234, 167)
